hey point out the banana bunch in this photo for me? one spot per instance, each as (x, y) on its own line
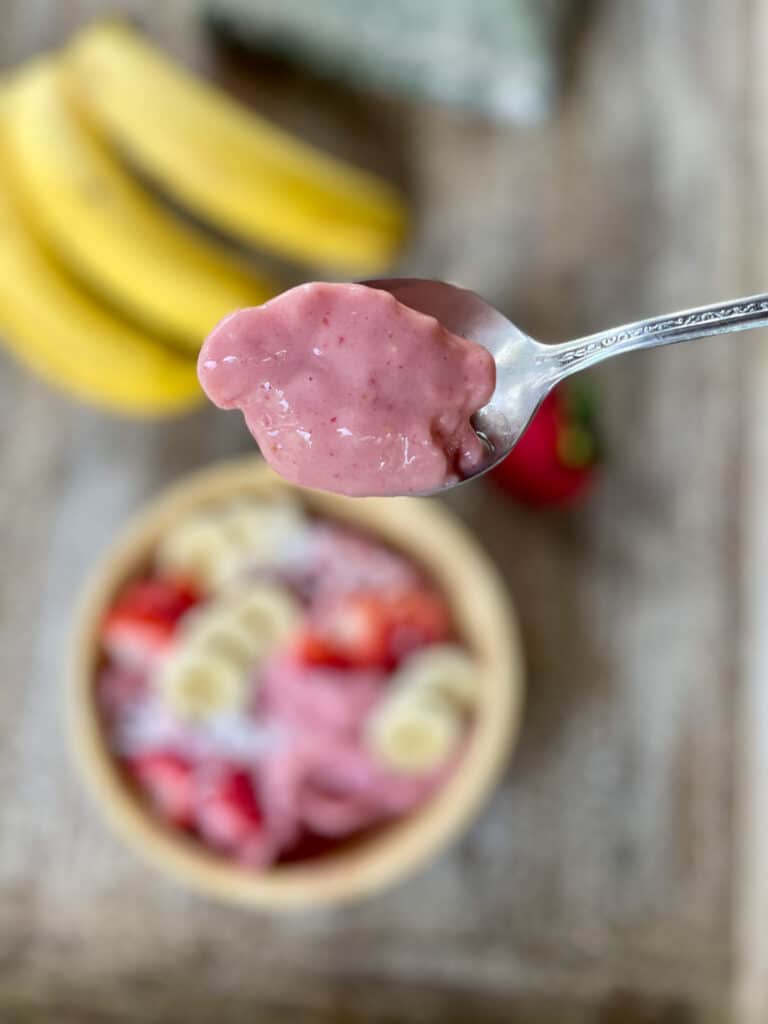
(71, 340)
(218, 544)
(419, 722)
(106, 292)
(209, 671)
(227, 164)
(100, 222)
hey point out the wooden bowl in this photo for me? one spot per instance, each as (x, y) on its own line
(418, 527)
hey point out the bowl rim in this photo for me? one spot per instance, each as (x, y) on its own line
(399, 849)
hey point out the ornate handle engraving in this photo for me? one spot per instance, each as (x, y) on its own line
(695, 323)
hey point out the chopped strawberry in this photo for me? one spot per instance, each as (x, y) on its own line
(420, 617)
(352, 631)
(169, 782)
(554, 461)
(138, 629)
(357, 629)
(228, 814)
(366, 630)
(313, 649)
(162, 599)
(134, 642)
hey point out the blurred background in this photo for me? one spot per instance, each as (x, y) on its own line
(579, 164)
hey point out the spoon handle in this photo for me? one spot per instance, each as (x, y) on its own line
(702, 322)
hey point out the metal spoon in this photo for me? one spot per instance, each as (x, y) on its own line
(526, 369)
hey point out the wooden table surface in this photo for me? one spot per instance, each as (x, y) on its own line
(620, 875)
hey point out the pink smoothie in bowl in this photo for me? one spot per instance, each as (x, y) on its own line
(346, 389)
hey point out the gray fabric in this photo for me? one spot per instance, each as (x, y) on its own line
(496, 56)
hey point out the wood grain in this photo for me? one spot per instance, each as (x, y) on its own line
(614, 878)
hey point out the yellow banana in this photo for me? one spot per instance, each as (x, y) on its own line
(227, 163)
(73, 342)
(107, 227)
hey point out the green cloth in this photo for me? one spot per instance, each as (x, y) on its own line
(496, 56)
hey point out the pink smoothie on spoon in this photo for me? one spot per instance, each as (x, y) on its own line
(346, 389)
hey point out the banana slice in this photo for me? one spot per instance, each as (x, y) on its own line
(220, 543)
(221, 647)
(196, 549)
(268, 612)
(260, 528)
(413, 736)
(199, 683)
(219, 633)
(246, 623)
(443, 671)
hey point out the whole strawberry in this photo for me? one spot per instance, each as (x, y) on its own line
(555, 459)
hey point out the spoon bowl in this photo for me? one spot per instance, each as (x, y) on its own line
(521, 381)
(526, 369)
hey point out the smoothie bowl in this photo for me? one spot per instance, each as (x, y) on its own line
(288, 698)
